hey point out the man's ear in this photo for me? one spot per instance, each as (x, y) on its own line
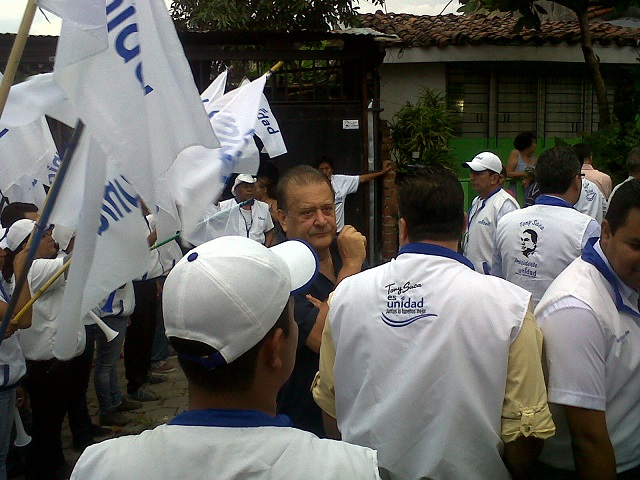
(273, 349)
(403, 235)
(605, 234)
(282, 218)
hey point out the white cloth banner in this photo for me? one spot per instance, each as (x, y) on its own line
(216, 90)
(265, 127)
(217, 224)
(138, 100)
(35, 97)
(28, 156)
(111, 237)
(268, 130)
(233, 117)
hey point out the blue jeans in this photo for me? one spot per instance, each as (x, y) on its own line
(105, 377)
(160, 350)
(7, 406)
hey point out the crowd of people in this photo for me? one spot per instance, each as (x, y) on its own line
(303, 362)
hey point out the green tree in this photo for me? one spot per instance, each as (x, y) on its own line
(531, 11)
(273, 15)
(420, 133)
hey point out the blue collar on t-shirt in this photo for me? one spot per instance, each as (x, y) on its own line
(212, 417)
(553, 201)
(590, 255)
(436, 250)
(479, 208)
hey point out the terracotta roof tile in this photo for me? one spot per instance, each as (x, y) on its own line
(451, 29)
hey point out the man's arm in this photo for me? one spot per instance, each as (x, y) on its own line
(367, 177)
(526, 419)
(323, 387)
(576, 352)
(268, 238)
(593, 453)
(352, 247)
(315, 336)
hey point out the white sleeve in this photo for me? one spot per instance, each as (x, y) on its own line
(592, 230)
(496, 261)
(347, 183)
(506, 208)
(42, 270)
(575, 354)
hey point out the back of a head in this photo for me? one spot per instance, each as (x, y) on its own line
(16, 211)
(431, 201)
(627, 198)
(216, 313)
(523, 140)
(301, 175)
(555, 170)
(582, 152)
(633, 161)
(323, 159)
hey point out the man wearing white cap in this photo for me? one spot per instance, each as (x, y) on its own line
(535, 244)
(491, 204)
(252, 219)
(236, 344)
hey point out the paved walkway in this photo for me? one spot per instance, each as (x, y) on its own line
(173, 400)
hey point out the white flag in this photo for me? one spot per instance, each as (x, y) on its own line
(138, 100)
(110, 247)
(216, 90)
(233, 117)
(28, 153)
(268, 130)
(37, 96)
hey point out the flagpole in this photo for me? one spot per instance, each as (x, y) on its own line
(42, 224)
(63, 269)
(43, 289)
(164, 242)
(275, 68)
(16, 54)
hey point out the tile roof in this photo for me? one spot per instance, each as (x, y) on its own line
(458, 30)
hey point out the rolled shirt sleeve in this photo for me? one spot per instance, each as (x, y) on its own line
(525, 411)
(323, 387)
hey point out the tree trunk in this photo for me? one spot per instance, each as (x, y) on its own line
(593, 64)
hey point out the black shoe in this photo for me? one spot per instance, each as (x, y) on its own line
(128, 405)
(115, 419)
(143, 395)
(155, 379)
(98, 431)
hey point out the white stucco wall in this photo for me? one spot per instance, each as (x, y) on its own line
(400, 83)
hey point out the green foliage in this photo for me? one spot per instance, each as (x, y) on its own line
(611, 145)
(425, 128)
(260, 15)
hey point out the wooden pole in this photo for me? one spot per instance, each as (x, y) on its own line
(16, 53)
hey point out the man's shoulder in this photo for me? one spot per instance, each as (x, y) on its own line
(227, 204)
(217, 447)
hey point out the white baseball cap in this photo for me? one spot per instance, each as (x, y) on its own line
(19, 232)
(485, 161)
(229, 292)
(242, 178)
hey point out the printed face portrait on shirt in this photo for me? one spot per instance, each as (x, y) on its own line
(623, 248)
(528, 242)
(311, 214)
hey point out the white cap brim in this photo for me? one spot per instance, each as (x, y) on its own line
(303, 268)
